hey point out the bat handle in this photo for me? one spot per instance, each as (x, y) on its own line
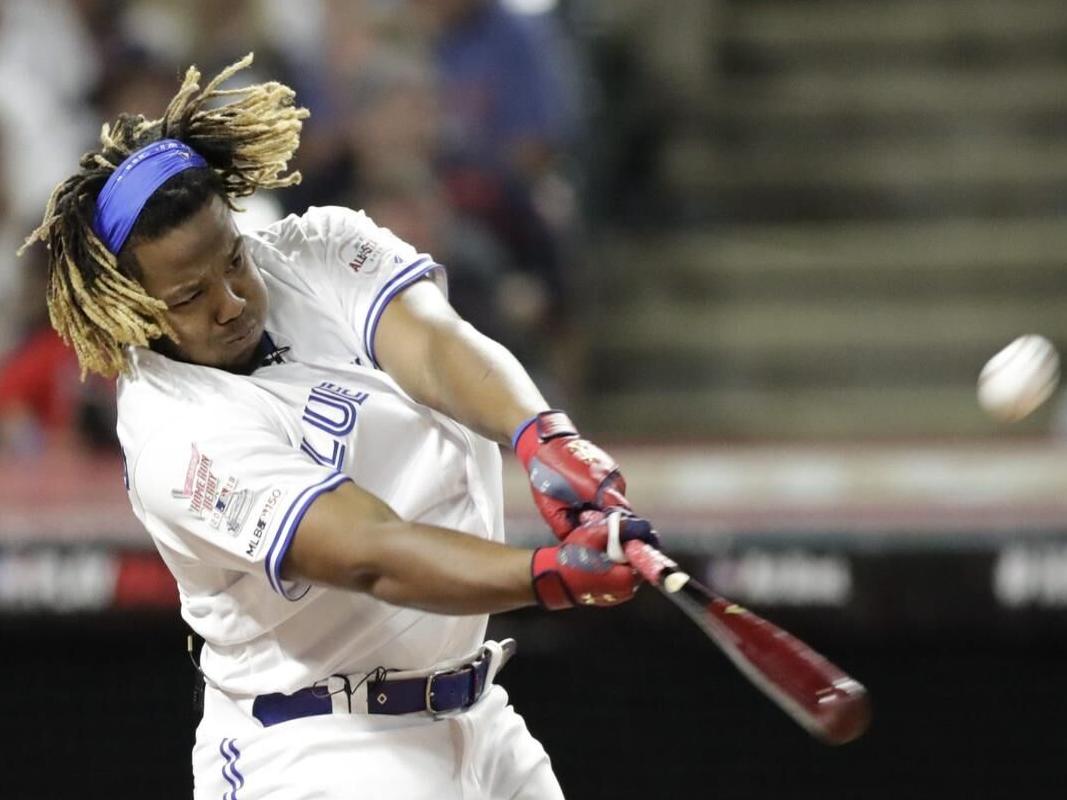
(655, 567)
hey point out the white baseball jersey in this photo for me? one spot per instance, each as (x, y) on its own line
(221, 467)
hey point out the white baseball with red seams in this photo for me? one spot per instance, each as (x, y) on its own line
(1018, 379)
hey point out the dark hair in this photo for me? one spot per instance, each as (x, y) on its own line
(95, 302)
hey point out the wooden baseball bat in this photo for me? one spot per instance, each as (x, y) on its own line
(826, 701)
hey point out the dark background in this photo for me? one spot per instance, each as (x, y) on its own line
(630, 703)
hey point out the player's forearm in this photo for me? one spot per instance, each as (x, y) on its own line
(479, 382)
(443, 571)
(350, 539)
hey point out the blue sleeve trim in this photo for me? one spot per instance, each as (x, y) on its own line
(392, 288)
(283, 538)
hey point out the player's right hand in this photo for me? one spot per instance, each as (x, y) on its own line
(588, 568)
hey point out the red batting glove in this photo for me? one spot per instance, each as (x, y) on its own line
(580, 571)
(568, 475)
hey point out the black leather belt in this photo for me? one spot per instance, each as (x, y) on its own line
(438, 692)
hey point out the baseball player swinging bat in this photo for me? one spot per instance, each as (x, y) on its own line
(824, 700)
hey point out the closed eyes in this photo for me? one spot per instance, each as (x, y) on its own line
(187, 299)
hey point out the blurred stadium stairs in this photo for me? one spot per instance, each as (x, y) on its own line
(866, 203)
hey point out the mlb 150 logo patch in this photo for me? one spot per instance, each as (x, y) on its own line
(255, 538)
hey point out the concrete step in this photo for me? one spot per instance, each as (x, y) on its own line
(969, 164)
(958, 256)
(931, 137)
(701, 203)
(738, 58)
(833, 364)
(822, 178)
(843, 305)
(734, 130)
(852, 92)
(784, 326)
(816, 413)
(771, 24)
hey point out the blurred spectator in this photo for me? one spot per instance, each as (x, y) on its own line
(9, 241)
(394, 119)
(134, 82)
(507, 119)
(44, 404)
(350, 38)
(508, 122)
(46, 122)
(484, 107)
(483, 285)
(50, 61)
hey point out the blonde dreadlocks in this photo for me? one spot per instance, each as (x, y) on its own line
(95, 302)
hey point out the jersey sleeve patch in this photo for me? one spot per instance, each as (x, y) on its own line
(232, 501)
(359, 267)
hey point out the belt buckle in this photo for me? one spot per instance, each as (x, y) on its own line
(429, 694)
(508, 647)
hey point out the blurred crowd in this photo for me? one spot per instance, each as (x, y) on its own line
(452, 122)
(488, 133)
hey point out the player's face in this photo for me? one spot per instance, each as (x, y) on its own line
(216, 299)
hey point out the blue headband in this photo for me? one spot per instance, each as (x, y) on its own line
(131, 184)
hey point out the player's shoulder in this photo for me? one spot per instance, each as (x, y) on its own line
(316, 224)
(333, 237)
(155, 379)
(158, 394)
(341, 241)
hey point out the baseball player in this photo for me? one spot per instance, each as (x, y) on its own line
(310, 436)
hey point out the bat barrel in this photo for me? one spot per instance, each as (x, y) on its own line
(815, 692)
(821, 697)
(843, 713)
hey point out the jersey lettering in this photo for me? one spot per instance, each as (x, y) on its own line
(330, 409)
(336, 459)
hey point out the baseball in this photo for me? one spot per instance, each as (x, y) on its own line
(1018, 379)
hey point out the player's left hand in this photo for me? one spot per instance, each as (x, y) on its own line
(589, 568)
(568, 475)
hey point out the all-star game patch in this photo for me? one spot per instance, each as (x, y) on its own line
(365, 255)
